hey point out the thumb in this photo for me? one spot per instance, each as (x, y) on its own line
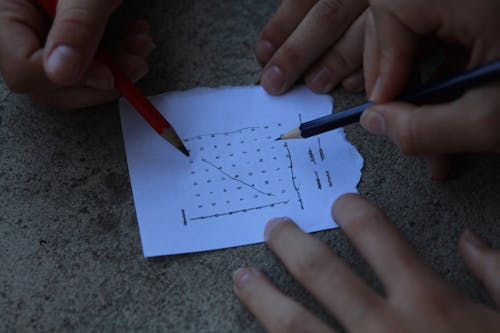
(72, 42)
(483, 261)
(467, 124)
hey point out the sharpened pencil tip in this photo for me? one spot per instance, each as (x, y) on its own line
(277, 139)
(171, 136)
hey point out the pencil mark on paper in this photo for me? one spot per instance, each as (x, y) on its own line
(329, 179)
(297, 190)
(184, 219)
(321, 152)
(318, 181)
(300, 118)
(251, 128)
(235, 179)
(311, 156)
(245, 210)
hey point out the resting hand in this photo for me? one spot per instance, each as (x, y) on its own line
(320, 40)
(54, 63)
(416, 300)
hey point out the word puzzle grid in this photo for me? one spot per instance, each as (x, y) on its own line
(245, 170)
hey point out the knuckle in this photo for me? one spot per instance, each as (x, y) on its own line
(355, 223)
(290, 57)
(17, 79)
(404, 137)
(274, 31)
(76, 20)
(330, 10)
(295, 321)
(338, 61)
(311, 263)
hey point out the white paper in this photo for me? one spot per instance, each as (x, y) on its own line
(237, 177)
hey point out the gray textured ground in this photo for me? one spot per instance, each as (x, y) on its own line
(70, 256)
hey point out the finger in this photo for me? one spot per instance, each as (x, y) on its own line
(139, 44)
(371, 53)
(325, 23)
(74, 37)
(439, 167)
(326, 276)
(399, 268)
(100, 77)
(458, 126)
(66, 99)
(354, 82)
(139, 27)
(342, 59)
(21, 57)
(482, 261)
(280, 26)
(275, 311)
(396, 47)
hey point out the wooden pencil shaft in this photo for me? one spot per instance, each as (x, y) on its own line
(425, 94)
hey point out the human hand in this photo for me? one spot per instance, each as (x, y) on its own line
(394, 30)
(416, 300)
(320, 40)
(55, 63)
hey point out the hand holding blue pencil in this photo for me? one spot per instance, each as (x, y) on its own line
(453, 85)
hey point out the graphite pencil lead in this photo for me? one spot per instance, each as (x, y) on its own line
(172, 137)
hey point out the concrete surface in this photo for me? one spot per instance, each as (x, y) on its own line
(70, 255)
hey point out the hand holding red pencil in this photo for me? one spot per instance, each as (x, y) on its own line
(55, 63)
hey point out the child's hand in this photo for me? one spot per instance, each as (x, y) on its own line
(470, 123)
(415, 298)
(320, 40)
(55, 63)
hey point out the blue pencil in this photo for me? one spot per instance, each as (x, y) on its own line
(425, 94)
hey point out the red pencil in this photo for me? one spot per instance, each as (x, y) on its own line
(131, 92)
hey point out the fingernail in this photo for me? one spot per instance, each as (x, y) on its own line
(320, 80)
(102, 80)
(64, 64)
(373, 122)
(354, 83)
(264, 50)
(374, 96)
(242, 275)
(273, 79)
(474, 239)
(272, 224)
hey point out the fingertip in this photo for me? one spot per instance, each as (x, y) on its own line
(63, 65)
(373, 120)
(343, 202)
(273, 80)
(242, 276)
(264, 51)
(376, 91)
(274, 224)
(99, 77)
